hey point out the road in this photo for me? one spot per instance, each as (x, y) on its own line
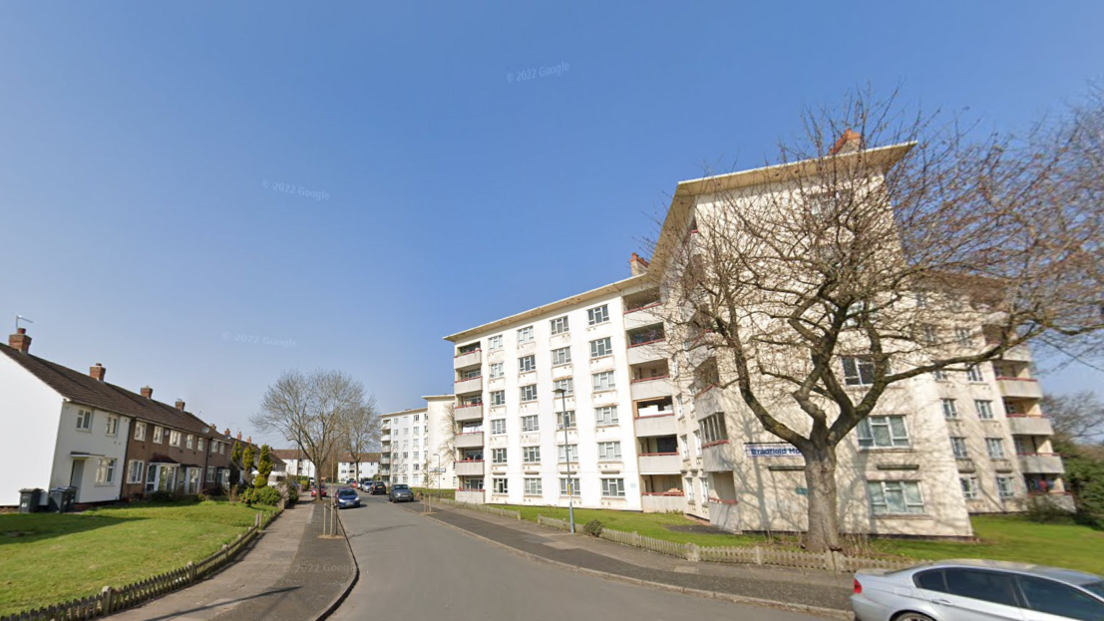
(413, 568)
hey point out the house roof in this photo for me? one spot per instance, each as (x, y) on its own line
(287, 454)
(83, 389)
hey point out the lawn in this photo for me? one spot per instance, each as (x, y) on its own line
(1001, 537)
(432, 491)
(48, 558)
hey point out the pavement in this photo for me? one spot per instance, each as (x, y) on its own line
(288, 573)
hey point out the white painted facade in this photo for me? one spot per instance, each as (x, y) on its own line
(416, 446)
(364, 470)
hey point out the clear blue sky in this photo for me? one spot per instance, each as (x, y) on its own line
(135, 140)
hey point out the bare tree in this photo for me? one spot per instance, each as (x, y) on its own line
(447, 447)
(360, 431)
(1078, 417)
(812, 286)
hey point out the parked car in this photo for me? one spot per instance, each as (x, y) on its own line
(377, 489)
(975, 589)
(400, 492)
(347, 497)
(314, 492)
(351, 483)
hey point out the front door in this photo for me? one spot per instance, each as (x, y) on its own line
(76, 475)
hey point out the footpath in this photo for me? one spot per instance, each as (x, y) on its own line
(288, 574)
(810, 591)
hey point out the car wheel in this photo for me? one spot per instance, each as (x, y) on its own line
(912, 616)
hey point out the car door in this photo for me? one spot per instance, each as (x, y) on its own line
(968, 594)
(1049, 600)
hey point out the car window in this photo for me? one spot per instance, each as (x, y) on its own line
(1094, 587)
(1059, 599)
(931, 580)
(988, 586)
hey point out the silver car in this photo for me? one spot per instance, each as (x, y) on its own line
(975, 590)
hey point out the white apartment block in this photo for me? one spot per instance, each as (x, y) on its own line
(417, 445)
(650, 430)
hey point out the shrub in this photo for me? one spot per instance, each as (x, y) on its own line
(593, 528)
(292, 494)
(161, 496)
(260, 496)
(1043, 511)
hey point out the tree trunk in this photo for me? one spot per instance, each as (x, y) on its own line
(820, 477)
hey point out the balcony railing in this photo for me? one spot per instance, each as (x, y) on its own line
(659, 463)
(656, 425)
(1027, 425)
(467, 359)
(469, 412)
(663, 502)
(647, 388)
(1019, 387)
(1041, 463)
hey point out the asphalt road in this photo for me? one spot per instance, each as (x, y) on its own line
(413, 568)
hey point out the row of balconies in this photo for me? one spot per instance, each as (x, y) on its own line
(1040, 463)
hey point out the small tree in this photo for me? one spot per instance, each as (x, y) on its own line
(241, 463)
(264, 467)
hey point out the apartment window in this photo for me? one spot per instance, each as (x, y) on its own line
(569, 486)
(601, 347)
(858, 371)
(136, 471)
(211, 474)
(530, 454)
(494, 343)
(496, 370)
(973, 373)
(417, 467)
(567, 385)
(895, 497)
(713, 428)
(598, 314)
(613, 488)
(962, 335)
(498, 426)
(498, 456)
(950, 408)
(527, 363)
(939, 374)
(532, 487)
(603, 381)
(215, 446)
(705, 487)
(689, 489)
(525, 335)
(418, 417)
(605, 415)
(984, 409)
(174, 437)
(529, 393)
(609, 451)
(684, 447)
(105, 473)
(84, 420)
(969, 487)
(995, 446)
(470, 374)
(112, 428)
(498, 397)
(222, 448)
(158, 434)
(921, 299)
(928, 335)
(199, 444)
(883, 432)
(568, 452)
(1005, 487)
(189, 441)
(559, 325)
(958, 446)
(565, 419)
(499, 486)
(417, 454)
(561, 356)
(530, 423)
(140, 431)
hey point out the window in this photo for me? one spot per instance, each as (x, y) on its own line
(603, 381)
(199, 444)
(567, 384)
(973, 373)
(921, 299)
(958, 446)
(527, 363)
(570, 454)
(530, 423)
(939, 374)
(495, 370)
(561, 356)
(988, 586)
(530, 454)
(532, 487)
(559, 325)
(928, 335)
(962, 335)
(136, 471)
(211, 474)
(883, 432)
(525, 335)
(569, 486)
(1055, 598)
(565, 419)
(950, 408)
(529, 393)
(158, 434)
(105, 473)
(499, 486)
(858, 371)
(494, 343)
(498, 397)
(685, 447)
(174, 437)
(112, 428)
(417, 466)
(140, 431)
(222, 448)
(597, 315)
(713, 428)
(1005, 487)
(613, 488)
(895, 497)
(995, 446)
(498, 456)
(498, 426)
(969, 487)
(704, 486)
(605, 415)
(609, 451)
(416, 455)
(189, 441)
(601, 347)
(84, 420)
(984, 409)
(417, 417)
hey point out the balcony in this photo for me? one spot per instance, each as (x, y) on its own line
(643, 316)
(465, 386)
(651, 426)
(660, 463)
(1041, 463)
(708, 402)
(651, 388)
(465, 413)
(1017, 388)
(664, 502)
(469, 440)
(1030, 425)
(471, 496)
(648, 352)
(716, 457)
(469, 359)
(473, 468)
(385, 437)
(965, 465)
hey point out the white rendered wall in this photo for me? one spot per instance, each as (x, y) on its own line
(29, 412)
(97, 444)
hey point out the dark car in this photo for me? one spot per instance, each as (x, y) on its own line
(377, 489)
(401, 493)
(347, 497)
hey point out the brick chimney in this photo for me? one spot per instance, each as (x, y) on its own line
(637, 265)
(20, 340)
(180, 404)
(239, 435)
(849, 142)
(249, 440)
(147, 392)
(97, 372)
(227, 432)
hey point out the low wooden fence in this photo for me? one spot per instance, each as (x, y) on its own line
(514, 515)
(748, 555)
(115, 599)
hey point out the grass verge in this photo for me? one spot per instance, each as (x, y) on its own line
(432, 491)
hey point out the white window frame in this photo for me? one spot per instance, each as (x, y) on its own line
(560, 325)
(174, 438)
(498, 397)
(1006, 487)
(84, 420)
(974, 374)
(527, 363)
(112, 426)
(528, 393)
(140, 431)
(530, 454)
(598, 315)
(500, 485)
(105, 471)
(200, 445)
(533, 486)
(496, 370)
(984, 408)
(600, 348)
(604, 381)
(158, 434)
(567, 383)
(498, 426)
(499, 455)
(606, 415)
(860, 373)
(998, 444)
(189, 441)
(562, 455)
(494, 343)
(959, 442)
(574, 482)
(530, 423)
(568, 417)
(561, 356)
(883, 488)
(714, 428)
(609, 451)
(969, 487)
(897, 438)
(136, 472)
(950, 409)
(525, 335)
(613, 488)
(964, 336)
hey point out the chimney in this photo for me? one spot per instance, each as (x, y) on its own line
(637, 265)
(147, 392)
(239, 435)
(849, 142)
(227, 432)
(249, 440)
(97, 372)
(180, 404)
(20, 340)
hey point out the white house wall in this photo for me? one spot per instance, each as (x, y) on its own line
(29, 412)
(96, 443)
